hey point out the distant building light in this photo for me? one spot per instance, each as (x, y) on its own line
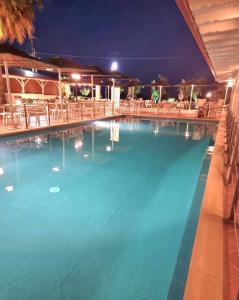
(75, 76)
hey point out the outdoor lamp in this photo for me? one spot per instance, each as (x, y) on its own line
(230, 83)
(75, 76)
(209, 94)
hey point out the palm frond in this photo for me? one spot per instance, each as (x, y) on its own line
(16, 19)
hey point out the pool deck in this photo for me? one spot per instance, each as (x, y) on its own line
(205, 277)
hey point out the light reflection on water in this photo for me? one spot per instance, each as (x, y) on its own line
(111, 129)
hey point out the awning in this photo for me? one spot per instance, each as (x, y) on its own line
(215, 26)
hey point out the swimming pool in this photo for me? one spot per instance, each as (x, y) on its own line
(103, 211)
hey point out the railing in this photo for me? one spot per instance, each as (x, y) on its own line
(48, 112)
(174, 109)
(231, 161)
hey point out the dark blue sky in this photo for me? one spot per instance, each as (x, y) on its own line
(122, 28)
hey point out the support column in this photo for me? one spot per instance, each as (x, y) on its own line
(113, 90)
(97, 92)
(92, 87)
(59, 90)
(2, 94)
(9, 91)
(191, 97)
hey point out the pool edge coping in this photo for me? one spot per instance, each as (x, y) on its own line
(205, 275)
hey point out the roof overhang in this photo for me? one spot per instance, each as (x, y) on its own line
(17, 58)
(215, 27)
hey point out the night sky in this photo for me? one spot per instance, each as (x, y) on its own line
(110, 29)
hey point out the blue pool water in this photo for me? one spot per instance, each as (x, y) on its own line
(105, 211)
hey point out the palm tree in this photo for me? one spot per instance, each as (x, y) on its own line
(16, 19)
(16, 24)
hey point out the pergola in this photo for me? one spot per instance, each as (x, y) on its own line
(12, 57)
(92, 75)
(68, 66)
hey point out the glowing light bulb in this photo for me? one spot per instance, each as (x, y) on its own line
(209, 94)
(75, 76)
(230, 83)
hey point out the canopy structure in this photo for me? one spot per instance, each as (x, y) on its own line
(17, 58)
(215, 27)
(160, 83)
(133, 83)
(91, 71)
(12, 57)
(69, 66)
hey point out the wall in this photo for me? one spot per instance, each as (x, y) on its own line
(32, 87)
(50, 88)
(234, 101)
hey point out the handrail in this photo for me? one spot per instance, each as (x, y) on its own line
(235, 229)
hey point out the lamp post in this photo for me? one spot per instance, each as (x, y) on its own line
(9, 92)
(92, 87)
(160, 93)
(113, 68)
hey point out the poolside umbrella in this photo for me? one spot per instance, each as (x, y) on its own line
(160, 83)
(132, 84)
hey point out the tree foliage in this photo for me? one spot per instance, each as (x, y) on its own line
(185, 88)
(85, 92)
(16, 19)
